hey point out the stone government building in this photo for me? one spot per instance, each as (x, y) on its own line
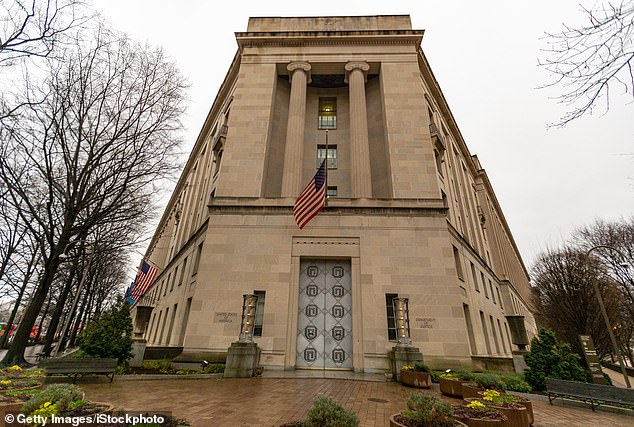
(411, 212)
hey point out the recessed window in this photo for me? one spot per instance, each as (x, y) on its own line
(327, 113)
(332, 156)
(331, 191)
(259, 313)
(456, 258)
(474, 277)
(391, 323)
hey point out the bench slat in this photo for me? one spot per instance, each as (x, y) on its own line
(75, 367)
(595, 394)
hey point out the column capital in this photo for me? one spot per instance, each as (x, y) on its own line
(357, 65)
(299, 65)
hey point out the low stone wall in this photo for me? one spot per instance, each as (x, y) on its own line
(500, 364)
(159, 353)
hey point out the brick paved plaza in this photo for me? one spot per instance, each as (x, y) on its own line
(216, 401)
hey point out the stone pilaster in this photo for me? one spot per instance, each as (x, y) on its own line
(293, 152)
(356, 73)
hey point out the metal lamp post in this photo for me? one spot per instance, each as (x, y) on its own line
(401, 316)
(605, 313)
(249, 306)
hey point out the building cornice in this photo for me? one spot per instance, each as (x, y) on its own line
(328, 38)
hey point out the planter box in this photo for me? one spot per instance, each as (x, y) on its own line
(451, 387)
(394, 423)
(523, 402)
(471, 389)
(517, 417)
(474, 422)
(416, 379)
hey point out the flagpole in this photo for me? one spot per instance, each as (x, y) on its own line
(326, 164)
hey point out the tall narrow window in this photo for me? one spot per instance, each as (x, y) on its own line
(499, 297)
(169, 331)
(160, 340)
(167, 284)
(199, 252)
(327, 113)
(438, 158)
(332, 155)
(391, 323)
(467, 317)
(183, 269)
(502, 336)
(484, 285)
(181, 338)
(475, 278)
(175, 276)
(492, 294)
(495, 335)
(485, 333)
(456, 258)
(259, 313)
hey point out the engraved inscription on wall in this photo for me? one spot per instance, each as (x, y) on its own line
(225, 317)
(425, 322)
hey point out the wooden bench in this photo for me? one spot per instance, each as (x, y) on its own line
(591, 394)
(76, 367)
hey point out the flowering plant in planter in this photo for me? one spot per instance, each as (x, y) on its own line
(478, 411)
(416, 376)
(507, 402)
(425, 410)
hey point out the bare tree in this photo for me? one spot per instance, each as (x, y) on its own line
(91, 153)
(567, 302)
(35, 27)
(614, 242)
(590, 60)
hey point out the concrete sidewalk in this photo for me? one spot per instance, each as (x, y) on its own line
(274, 401)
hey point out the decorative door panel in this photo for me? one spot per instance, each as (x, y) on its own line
(324, 325)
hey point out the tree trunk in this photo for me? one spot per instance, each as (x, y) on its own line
(57, 313)
(25, 282)
(78, 320)
(39, 326)
(15, 354)
(16, 306)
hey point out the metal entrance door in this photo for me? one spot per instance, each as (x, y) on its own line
(324, 323)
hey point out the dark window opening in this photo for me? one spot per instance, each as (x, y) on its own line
(259, 313)
(391, 322)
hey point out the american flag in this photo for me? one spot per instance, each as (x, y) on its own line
(313, 199)
(144, 279)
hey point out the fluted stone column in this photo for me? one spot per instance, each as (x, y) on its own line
(299, 73)
(356, 73)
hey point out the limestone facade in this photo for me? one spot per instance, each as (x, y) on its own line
(414, 214)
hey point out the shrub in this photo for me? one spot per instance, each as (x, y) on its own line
(110, 335)
(551, 358)
(214, 368)
(61, 395)
(162, 365)
(489, 380)
(516, 383)
(427, 410)
(421, 367)
(326, 412)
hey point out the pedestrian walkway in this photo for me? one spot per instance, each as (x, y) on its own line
(617, 378)
(212, 402)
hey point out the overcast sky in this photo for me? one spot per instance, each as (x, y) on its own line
(484, 56)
